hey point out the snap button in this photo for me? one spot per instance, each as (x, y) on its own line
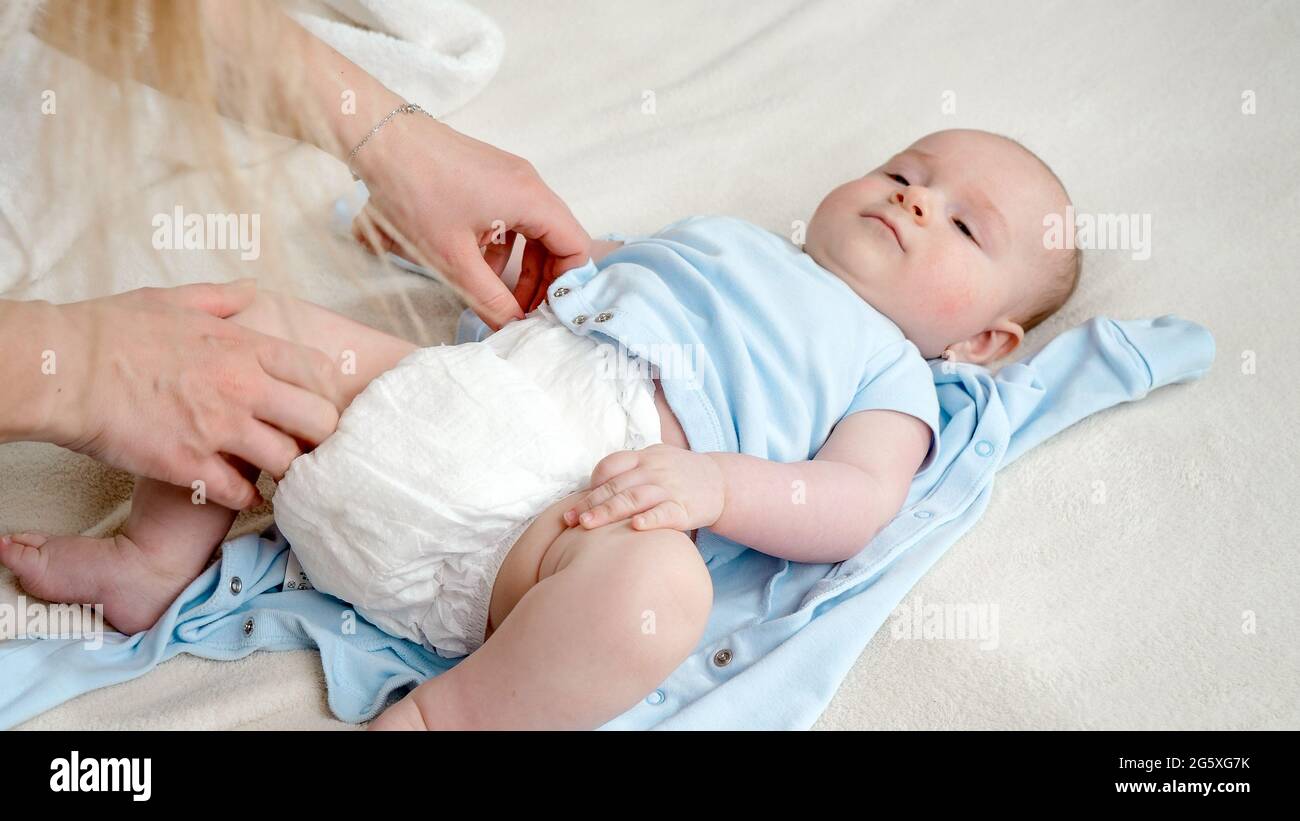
(248, 627)
(579, 319)
(559, 292)
(922, 514)
(603, 316)
(657, 697)
(722, 658)
(983, 448)
(236, 584)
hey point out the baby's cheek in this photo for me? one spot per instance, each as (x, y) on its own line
(953, 299)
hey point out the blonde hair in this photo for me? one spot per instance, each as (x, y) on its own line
(110, 129)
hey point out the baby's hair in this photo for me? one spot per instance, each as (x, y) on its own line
(1062, 278)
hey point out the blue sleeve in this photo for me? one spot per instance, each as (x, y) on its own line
(1093, 366)
(899, 379)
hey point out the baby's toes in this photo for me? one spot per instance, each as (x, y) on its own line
(22, 554)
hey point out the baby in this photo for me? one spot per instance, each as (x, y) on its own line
(527, 499)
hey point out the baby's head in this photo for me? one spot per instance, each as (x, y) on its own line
(946, 239)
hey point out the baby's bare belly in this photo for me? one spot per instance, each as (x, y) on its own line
(670, 429)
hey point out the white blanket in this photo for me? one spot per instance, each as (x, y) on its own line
(437, 53)
(1143, 562)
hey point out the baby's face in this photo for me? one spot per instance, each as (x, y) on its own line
(945, 239)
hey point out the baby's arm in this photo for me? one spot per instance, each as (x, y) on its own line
(824, 510)
(827, 509)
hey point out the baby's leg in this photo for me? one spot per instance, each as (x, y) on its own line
(172, 531)
(612, 613)
(359, 352)
(166, 542)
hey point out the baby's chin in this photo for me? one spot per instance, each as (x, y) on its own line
(839, 257)
(863, 268)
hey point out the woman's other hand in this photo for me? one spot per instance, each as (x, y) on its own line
(156, 382)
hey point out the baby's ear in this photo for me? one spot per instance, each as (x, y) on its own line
(991, 344)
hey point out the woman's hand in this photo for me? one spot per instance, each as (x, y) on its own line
(661, 486)
(437, 197)
(155, 382)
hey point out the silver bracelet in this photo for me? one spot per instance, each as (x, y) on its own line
(404, 108)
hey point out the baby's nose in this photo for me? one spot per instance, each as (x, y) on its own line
(916, 204)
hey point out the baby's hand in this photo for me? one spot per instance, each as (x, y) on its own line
(661, 486)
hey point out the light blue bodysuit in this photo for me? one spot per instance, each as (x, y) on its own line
(759, 349)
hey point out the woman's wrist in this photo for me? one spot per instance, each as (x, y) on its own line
(349, 125)
(30, 371)
(381, 158)
(315, 94)
(350, 99)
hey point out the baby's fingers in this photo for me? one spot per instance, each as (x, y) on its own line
(669, 514)
(616, 463)
(622, 505)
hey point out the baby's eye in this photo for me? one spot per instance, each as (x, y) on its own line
(961, 226)
(898, 178)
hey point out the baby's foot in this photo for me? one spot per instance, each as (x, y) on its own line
(135, 586)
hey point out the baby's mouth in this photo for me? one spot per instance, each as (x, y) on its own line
(893, 230)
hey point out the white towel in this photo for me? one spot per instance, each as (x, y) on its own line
(437, 53)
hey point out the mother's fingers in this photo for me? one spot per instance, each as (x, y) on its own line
(309, 368)
(497, 255)
(223, 484)
(549, 221)
(479, 285)
(297, 412)
(266, 447)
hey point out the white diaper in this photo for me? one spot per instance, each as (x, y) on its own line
(408, 510)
